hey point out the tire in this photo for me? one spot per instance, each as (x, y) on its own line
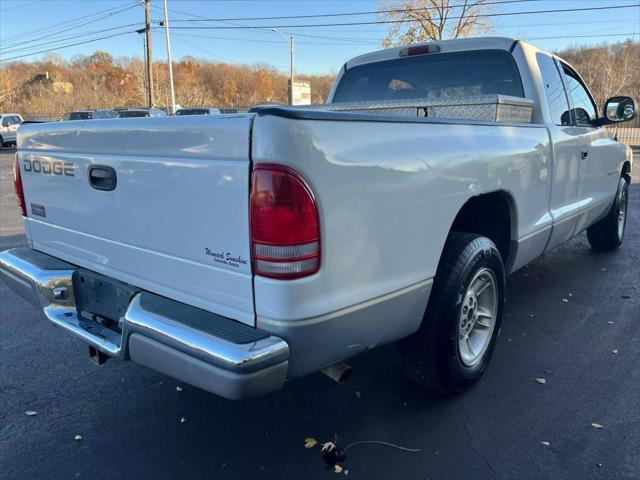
(607, 234)
(434, 357)
(1, 142)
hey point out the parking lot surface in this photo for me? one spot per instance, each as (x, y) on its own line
(572, 318)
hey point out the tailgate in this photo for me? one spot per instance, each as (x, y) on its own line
(176, 220)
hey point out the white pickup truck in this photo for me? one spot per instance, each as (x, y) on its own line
(235, 252)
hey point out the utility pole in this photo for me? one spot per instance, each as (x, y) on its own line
(291, 74)
(147, 28)
(291, 71)
(169, 62)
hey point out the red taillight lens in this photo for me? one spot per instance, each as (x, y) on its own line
(17, 184)
(285, 230)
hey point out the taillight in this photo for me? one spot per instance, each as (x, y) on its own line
(17, 184)
(285, 229)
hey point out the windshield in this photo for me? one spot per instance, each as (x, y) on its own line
(133, 113)
(432, 76)
(192, 111)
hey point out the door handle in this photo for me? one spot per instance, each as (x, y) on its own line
(103, 178)
(584, 154)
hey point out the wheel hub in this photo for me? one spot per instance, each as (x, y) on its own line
(477, 317)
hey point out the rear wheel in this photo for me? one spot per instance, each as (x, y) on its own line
(608, 233)
(454, 344)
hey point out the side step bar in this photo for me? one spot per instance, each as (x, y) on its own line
(214, 353)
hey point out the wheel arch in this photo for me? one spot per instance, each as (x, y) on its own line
(494, 215)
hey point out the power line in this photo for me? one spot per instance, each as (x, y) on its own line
(255, 40)
(66, 46)
(380, 22)
(22, 38)
(22, 5)
(67, 38)
(585, 36)
(347, 14)
(182, 35)
(60, 24)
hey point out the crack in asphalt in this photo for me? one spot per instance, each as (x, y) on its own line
(470, 440)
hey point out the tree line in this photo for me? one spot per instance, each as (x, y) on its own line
(52, 86)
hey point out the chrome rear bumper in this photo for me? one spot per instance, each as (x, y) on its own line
(158, 340)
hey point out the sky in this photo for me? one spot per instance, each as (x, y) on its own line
(31, 26)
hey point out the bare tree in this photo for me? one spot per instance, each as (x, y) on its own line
(421, 20)
(608, 69)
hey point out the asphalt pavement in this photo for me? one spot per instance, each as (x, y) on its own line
(134, 423)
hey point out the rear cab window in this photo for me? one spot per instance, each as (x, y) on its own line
(432, 76)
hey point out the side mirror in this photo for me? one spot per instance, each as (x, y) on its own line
(619, 109)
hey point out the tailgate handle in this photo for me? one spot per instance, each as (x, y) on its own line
(103, 178)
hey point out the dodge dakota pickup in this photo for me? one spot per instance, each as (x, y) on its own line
(235, 252)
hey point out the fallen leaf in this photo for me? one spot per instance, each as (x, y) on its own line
(614, 351)
(532, 316)
(346, 472)
(182, 419)
(77, 438)
(565, 300)
(30, 413)
(541, 380)
(571, 294)
(179, 388)
(546, 444)
(337, 468)
(310, 442)
(358, 394)
(610, 322)
(328, 446)
(597, 425)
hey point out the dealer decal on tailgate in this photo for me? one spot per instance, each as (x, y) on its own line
(226, 258)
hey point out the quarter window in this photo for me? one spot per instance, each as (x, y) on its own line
(583, 107)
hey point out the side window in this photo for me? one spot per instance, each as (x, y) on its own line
(5, 121)
(554, 90)
(583, 107)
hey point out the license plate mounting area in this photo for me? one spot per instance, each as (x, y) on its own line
(102, 299)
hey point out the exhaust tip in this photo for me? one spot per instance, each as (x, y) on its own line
(339, 372)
